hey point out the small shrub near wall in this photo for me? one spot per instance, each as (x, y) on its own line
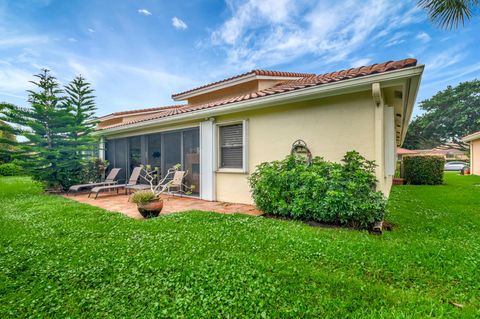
(424, 170)
(341, 194)
(10, 169)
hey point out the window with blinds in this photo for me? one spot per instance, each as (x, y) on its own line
(231, 146)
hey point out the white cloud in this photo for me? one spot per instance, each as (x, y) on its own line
(395, 39)
(441, 61)
(18, 40)
(91, 30)
(72, 39)
(360, 62)
(14, 80)
(423, 36)
(269, 32)
(179, 24)
(145, 12)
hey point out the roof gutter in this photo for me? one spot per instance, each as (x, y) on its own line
(308, 93)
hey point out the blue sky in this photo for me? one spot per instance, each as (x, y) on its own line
(137, 53)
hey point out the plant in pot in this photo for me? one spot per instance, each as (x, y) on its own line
(149, 203)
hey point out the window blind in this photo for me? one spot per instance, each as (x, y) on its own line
(231, 146)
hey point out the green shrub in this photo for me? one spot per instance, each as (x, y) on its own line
(424, 170)
(323, 191)
(10, 169)
(93, 170)
(143, 197)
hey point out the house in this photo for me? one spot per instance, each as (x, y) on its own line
(226, 128)
(474, 141)
(449, 151)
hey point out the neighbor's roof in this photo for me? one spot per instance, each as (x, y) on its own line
(265, 73)
(471, 137)
(402, 151)
(286, 86)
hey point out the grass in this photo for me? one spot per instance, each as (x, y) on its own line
(60, 258)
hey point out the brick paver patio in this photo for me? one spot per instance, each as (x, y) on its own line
(172, 204)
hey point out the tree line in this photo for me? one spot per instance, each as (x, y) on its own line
(448, 116)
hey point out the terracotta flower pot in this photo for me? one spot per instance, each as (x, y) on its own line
(151, 209)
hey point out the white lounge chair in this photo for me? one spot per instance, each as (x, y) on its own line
(109, 180)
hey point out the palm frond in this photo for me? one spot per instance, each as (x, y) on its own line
(449, 14)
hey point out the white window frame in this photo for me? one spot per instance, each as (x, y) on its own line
(244, 169)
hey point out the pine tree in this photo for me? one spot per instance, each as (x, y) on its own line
(7, 140)
(44, 128)
(80, 105)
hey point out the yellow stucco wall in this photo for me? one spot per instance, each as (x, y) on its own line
(330, 127)
(475, 156)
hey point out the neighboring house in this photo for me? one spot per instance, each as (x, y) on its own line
(227, 128)
(474, 141)
(450, 151)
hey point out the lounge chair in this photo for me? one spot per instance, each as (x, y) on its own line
(109, 180)
(132, 181)
(176, 182)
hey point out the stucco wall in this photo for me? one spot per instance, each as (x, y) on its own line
(475, 156)
(330, 127)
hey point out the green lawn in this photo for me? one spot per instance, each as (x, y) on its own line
(59, 258)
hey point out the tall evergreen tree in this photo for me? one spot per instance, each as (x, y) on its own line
(43, 129)
(80, 105)
(7, 140)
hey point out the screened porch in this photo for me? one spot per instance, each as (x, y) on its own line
(162, 150)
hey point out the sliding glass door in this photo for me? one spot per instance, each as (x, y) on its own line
(172, 150)
(154, 150)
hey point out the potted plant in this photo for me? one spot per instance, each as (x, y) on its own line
(149, 203)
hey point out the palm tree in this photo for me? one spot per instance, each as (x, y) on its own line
(448, 14)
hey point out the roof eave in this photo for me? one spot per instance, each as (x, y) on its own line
(413, 84)
(471, 137)
(320, 91)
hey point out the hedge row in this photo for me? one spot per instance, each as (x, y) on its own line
(423, 170)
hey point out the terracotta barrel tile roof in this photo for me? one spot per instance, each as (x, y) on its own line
(307, 81)
(151, 109)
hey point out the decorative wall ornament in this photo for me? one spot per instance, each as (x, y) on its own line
(299, 147)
